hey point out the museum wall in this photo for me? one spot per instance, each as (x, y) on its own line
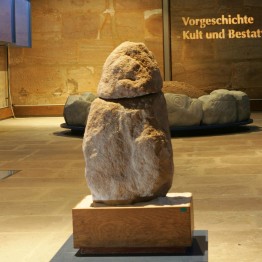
(3, 77)
(70, 42)
(211, 57)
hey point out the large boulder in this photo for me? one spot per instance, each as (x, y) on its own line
(129, 71)
(127, 149)
(218, 108)
(127, 145)
(77, 108)
(183, 110)
(242, 102)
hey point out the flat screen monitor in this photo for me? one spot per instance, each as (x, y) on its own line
(6, 16)
(15, 22)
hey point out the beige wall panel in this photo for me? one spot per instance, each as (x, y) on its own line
(153, 23)
(80, 25)
(69, 5)
(17, 56)
(157, 49)
(3, 89)
(94, 52)
(46, 24)
(124, 5)
(51, 53)
(130, 26)
(47, 84)
(3, 77)
(71, 40)
(80, 79)
(42, 84)
(153, 30)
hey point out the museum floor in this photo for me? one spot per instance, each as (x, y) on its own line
(222, 170)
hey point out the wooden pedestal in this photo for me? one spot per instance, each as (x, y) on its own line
(163, 225)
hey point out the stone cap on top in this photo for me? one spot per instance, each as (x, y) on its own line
(129, 71)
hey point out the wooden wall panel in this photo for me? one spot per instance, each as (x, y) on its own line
(209, 64)
(5, 113)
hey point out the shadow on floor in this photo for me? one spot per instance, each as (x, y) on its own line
(216, 131)
(190, 132)
(198, 252)
(70, 133)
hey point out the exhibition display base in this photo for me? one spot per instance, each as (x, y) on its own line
(163, 225)
(167, 220)
(198, 252)
(178, 128)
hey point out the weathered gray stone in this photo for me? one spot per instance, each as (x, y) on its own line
(129, 71)
(243, 105)
(183, 110)
(128, 150)
(219, 108)
(77, 108)
(242, 102)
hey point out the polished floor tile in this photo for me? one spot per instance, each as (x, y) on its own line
(222, 169)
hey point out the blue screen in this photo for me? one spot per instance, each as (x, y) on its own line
(22, 23)
(15, 22)
(6, 21)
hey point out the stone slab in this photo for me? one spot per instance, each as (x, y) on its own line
(165, 222)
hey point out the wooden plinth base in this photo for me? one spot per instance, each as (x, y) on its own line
(163, 225)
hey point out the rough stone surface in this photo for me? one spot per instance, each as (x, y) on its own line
(77, 108)
(129, 71)
(183, 110)
(219, 108)
(128, 150)
(242, 102)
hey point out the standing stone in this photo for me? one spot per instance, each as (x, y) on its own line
(242, 102)
(218, 108)
(129, 71)
(77, 108)
(127, 145)
(243, 105)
